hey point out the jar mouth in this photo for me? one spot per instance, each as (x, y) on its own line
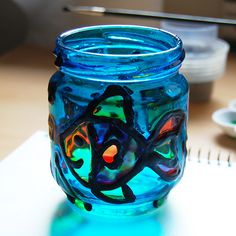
(112, 41)
(124, 53)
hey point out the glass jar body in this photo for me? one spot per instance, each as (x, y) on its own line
(118, 146)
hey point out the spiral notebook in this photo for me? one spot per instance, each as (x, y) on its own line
(203, 203)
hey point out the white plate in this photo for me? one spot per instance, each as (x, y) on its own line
(226, 120)
(232, 105)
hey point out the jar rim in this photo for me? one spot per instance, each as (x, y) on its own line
(61, 41)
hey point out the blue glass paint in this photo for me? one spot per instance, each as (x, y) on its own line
(117, 123)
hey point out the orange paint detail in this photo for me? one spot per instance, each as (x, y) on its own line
(95, 110)
(109, 154)
(169, 125)
(108, 159)
(84, 129)
(172, 172)
(69, 145)
(69, 141)
(81, 136)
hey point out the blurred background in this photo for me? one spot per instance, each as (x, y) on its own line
(28, 32)
(40, 21)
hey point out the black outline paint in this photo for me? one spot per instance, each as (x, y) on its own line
(145, 155)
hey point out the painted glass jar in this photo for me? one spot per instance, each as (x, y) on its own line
(117, 122)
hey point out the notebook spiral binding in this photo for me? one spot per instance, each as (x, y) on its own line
(217, 156)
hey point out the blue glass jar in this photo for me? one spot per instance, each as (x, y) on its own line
(117, 122)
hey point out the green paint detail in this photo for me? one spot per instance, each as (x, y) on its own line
(111, 107)
(161, 201)
(86, 156)
(80, 153)
(114, 194)
(141, 76)
(79, 204)
(165, 151)
(233, 122)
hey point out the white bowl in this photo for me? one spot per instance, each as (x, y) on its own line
(206, 65)
(232, 105)
(191, 29)
(206, 54)
(226, 120)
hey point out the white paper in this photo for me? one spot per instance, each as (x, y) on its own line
(203, 203)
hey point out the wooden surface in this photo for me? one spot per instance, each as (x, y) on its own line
(24, 75)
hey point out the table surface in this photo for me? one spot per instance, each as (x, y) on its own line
(24, 75)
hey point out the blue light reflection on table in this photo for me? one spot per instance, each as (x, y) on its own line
(66, 222)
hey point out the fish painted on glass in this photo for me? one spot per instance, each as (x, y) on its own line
(104, 151)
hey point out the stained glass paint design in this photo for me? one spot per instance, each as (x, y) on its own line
(103, 151)
(117, 122)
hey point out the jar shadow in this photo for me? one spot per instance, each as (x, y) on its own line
(67, 221)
